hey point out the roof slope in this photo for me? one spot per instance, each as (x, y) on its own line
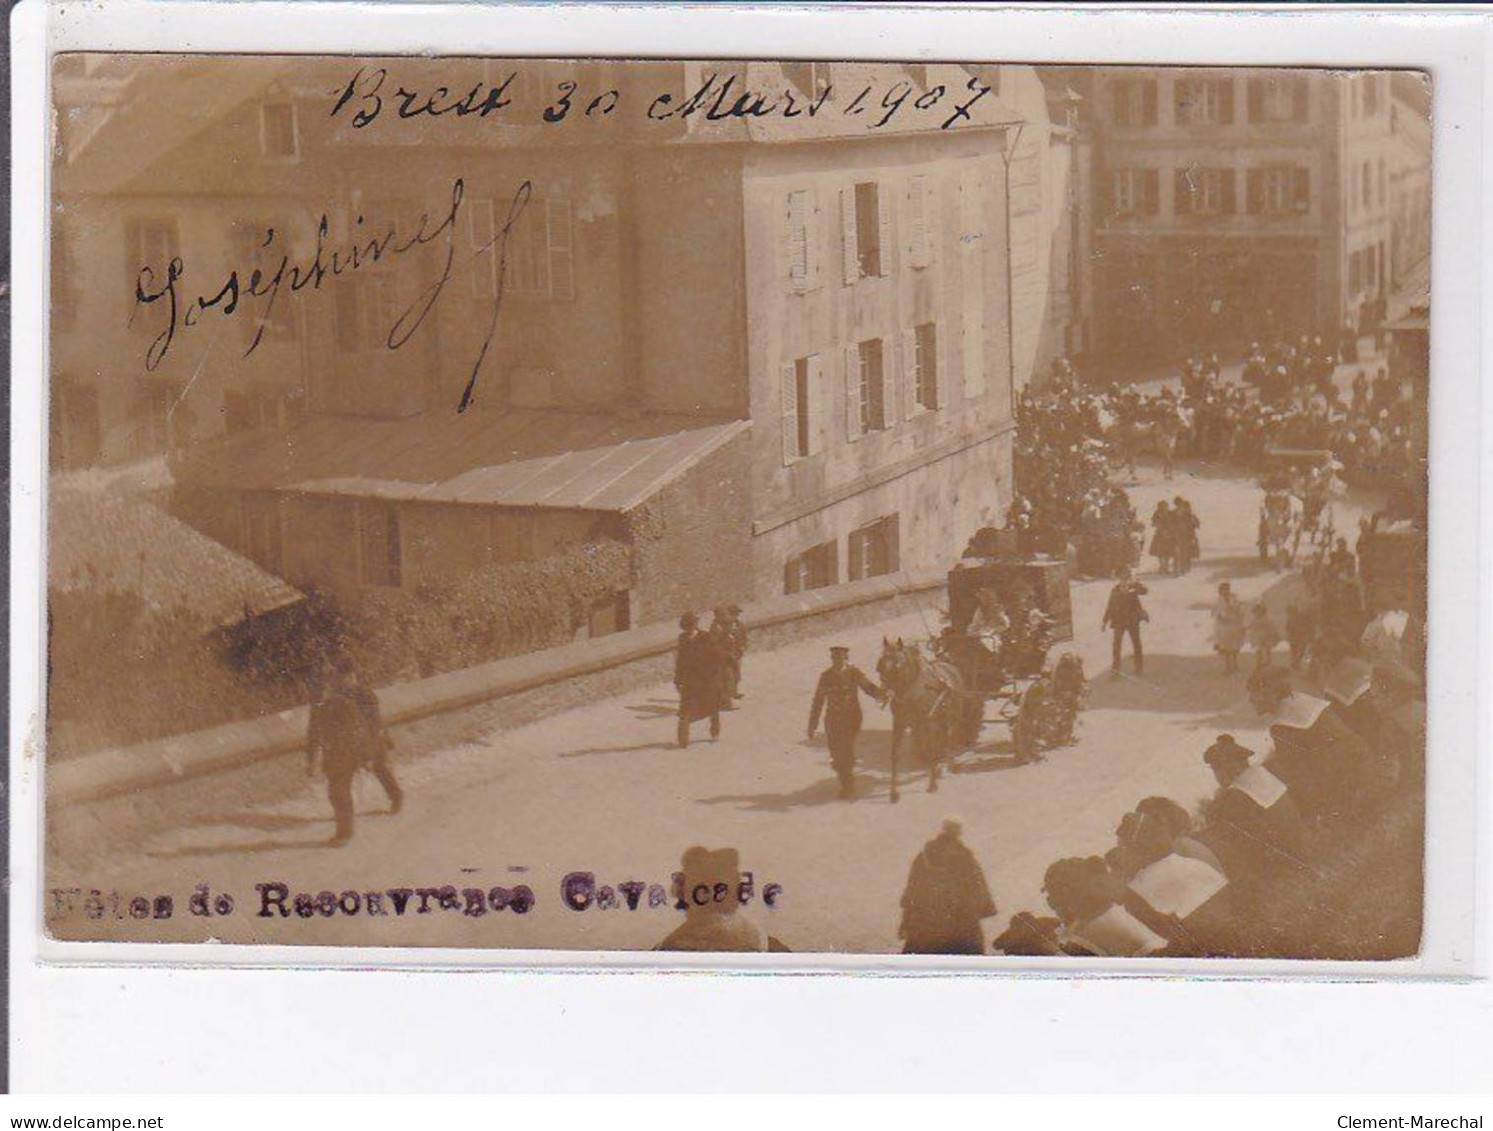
(518, 457)
(104, 541)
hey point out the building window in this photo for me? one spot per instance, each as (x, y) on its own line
(540, 250)
(1278, 190)
(279, 131)
(261, 246)
(809, 79)
(799, 244)
(1355, 273)
(364, 311)
(162, 419)
(1204, 192)
(380, 552)
(1133, 102)
(1370, 85)
(1367, 180)
(873, 549)
(925, 365)
(814, 568)
(803, 416)
(150, 243)
(1281, 99)
(863, 219)
(1370, 261)
(1134, 192)
(865, 388)
(1204, 102)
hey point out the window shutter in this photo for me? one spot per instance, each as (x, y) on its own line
(832, 562)
(1255, 95)
(884, 207)
(789, 384)
(850, 263)
(1254, 190)
(484, 265)
(784, 241)
(1151, 183)
(1148, 96)
(917, 221)
(814, 241)
(1226, 199)
(913, 374)
(856, 544)
(1298, 100)
(852, 357)
(893, 539)
(816, 404)
(1181, 194)
(1181, 107)
(1226, 102)
(892, 381)
(1300, 187)
(940, 365)
(790, 575)
(798, 240)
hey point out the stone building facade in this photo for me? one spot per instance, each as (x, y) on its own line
(782, 348)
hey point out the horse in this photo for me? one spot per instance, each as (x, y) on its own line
(1157, 437)
(927, 697)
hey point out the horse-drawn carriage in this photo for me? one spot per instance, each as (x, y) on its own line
(1005, 614)
(1299, 486)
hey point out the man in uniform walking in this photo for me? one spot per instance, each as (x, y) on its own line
(697, 678)
(1125, 614)
(837, 698)
(346, 734)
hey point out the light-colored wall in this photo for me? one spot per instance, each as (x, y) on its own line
(831, 315)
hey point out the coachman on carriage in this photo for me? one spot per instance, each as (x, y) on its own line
(1299, 485)
(1005, 614)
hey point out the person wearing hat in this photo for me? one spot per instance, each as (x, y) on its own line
(730, 639)
(710, 887)
(345, 733)
(1124, 613)
(697, 678)
(945, 898)
(837, 699)
(1252, 823)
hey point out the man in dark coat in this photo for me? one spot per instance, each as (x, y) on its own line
(730, 637)
(698, 663)
(1125, 614)
(346, 734)
(837, 698)
(945, 898)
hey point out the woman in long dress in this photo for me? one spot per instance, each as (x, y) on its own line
(1163, 540)
(1228, 628)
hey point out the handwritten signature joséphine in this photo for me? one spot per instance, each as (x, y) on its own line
(385, 239)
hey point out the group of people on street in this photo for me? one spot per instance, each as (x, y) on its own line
(707, 668)
(1174, 536)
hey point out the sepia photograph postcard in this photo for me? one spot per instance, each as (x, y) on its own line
(807, 506)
